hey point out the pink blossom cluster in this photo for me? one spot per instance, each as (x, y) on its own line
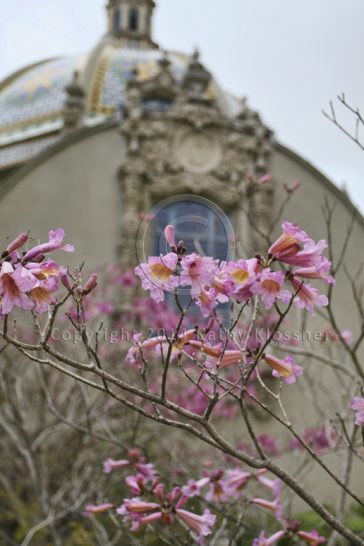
(27, 278)
(151, 502)
(212, 282)
(213, 356)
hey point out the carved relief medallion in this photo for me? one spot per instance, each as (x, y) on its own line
(197, 151)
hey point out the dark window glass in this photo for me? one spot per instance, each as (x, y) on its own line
(133, 20)
(116, 20)
(157, 105)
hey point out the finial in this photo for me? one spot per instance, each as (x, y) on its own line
(197, 78)
(164, 61)
(74, 105)
(196, 54)
(130, 21)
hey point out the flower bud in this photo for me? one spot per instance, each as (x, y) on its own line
(169, 235)
(90, 284)
(17, 243)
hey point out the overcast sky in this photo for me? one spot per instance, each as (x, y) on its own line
(287, 56)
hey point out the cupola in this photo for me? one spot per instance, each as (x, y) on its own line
(131, 21)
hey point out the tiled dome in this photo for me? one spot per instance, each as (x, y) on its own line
(31, 103)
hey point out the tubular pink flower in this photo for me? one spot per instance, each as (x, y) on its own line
(148, 470)
(269, 287)
(310, 256)
(201, 525)
(158, 275)
(320, 271)
(17, 243)
(237, 480)
(44, 270)
(42, 294)
(307, 296)
(286, 368)
(198, 271)
(111, 464)
(262, 540)
(14, 284)
(242, 272)
(231, 356)
(272, 506)
(273, 485)
(226, 358)
(55, 243)
(90, 284)
(136, 484)
(313, 538)
(289, 243)
(169, 235)
(138, 506)
(294, 187)
(151, 518)
(193, 488)
(97, 509)
(357, 404)
(206, 300)
(265, 179)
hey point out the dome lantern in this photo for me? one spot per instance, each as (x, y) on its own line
(131, 21)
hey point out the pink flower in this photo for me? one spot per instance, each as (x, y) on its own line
(310, 255)
(273, 485)
(158, 275)
(14, 284)
(169, 235)
(17, 243)
(90, 284)
(284, 368)
(357, 404)
(269, 287)
(94, 509)
(110, 465)
(207, 299)
(55, 243)
(307, 296)
(42, 294)
(136, 484)
(242, 274)
(262, 540)
(265, 179)
(289, 243)
(226, 358)
(197, 271)
(237, 480)
(320, 271)
(219, 491)
(148, 470)
(294, 187)
(201, 525)
(272, 506)
(313, 538)
(193, 488)
(138, 506)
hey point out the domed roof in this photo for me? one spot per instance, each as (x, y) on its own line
(32, 99)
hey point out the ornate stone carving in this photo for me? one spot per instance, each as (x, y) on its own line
(74, 106)
(190, 148)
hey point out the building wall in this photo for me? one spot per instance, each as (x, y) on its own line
(76, 186)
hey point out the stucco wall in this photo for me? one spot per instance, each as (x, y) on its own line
(75, 188)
